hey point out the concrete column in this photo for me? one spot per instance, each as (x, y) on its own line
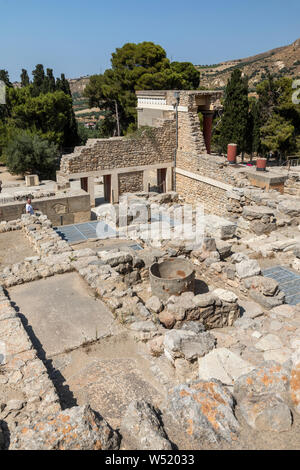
(91, 190)
(169, 179)
(207, 129)
(115, 188)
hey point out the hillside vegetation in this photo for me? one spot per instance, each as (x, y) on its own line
(280, 62)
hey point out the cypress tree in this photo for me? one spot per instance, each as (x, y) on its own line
(38, 79)
(49, 82)
(24, 78)
(63, 85)
(5, 77)
(234, 125)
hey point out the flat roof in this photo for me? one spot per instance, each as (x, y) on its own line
(165, 92)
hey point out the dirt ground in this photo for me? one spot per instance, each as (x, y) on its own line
(14, 247)
(6, 177)
(108, 375)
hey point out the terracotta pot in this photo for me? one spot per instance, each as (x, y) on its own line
(231, 153)
(261, 164)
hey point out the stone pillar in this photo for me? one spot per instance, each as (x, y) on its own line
(146, 180)
(207, 129)
(169, 179)
(91, 190)
(115, 188)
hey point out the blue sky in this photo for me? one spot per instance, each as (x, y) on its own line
(78, 37)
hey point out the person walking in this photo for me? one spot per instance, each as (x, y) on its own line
(0, 186)
(29, 208)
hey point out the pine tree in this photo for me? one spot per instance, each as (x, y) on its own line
(234, 125)
(24, 78)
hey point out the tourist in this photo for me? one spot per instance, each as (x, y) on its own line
(0, 186)
(29, 208)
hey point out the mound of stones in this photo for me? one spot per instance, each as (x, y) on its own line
(78, 428)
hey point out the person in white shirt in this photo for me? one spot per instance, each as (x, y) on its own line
(29, 208)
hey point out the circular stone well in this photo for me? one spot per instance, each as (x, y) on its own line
(172, 277)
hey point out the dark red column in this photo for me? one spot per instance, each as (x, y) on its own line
(207, 129)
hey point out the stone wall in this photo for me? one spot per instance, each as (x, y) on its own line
(130, 182)
(196, 192)
(68, 209)
(148, 148)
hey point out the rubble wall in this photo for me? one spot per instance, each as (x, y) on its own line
(130, 182)
(195, 192)
(153, 146)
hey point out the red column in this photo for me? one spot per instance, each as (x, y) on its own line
(231, 153)
(207, 130)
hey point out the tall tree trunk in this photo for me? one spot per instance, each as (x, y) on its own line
(117, 117)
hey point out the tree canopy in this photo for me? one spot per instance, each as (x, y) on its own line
(28, 152)
(142, 66)
(269, 121)
(43, 107)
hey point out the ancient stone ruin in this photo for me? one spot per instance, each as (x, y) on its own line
(143, 335)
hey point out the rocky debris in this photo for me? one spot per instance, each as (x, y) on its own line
(262, 219)
(204, 410)
(223, 365)
(156, 346)
(285, 311)
(10, 226)
(77, 428)
(290, 207)
(266, 413)
(167, 319)
(268, 378)
(86, 252)
(295, 381)
(268, 343)
(251, 309)
(265, 291)
(265, 285)
(257, 212)
(207, 309)
(187, 344)
(226, 295)
(44, 239)
(264, 397)
(154, 304)
(247, 268)
(141, 428)
(219, 227)
(266, 301)
(224, 249)
(115, 258)
(193, 326)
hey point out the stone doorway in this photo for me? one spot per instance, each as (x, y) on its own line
(84, 184)
(161, 179)
(107, 188)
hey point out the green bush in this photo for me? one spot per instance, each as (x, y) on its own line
(29, 153)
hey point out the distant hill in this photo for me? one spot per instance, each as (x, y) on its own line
(283, 61)
(78, 85)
